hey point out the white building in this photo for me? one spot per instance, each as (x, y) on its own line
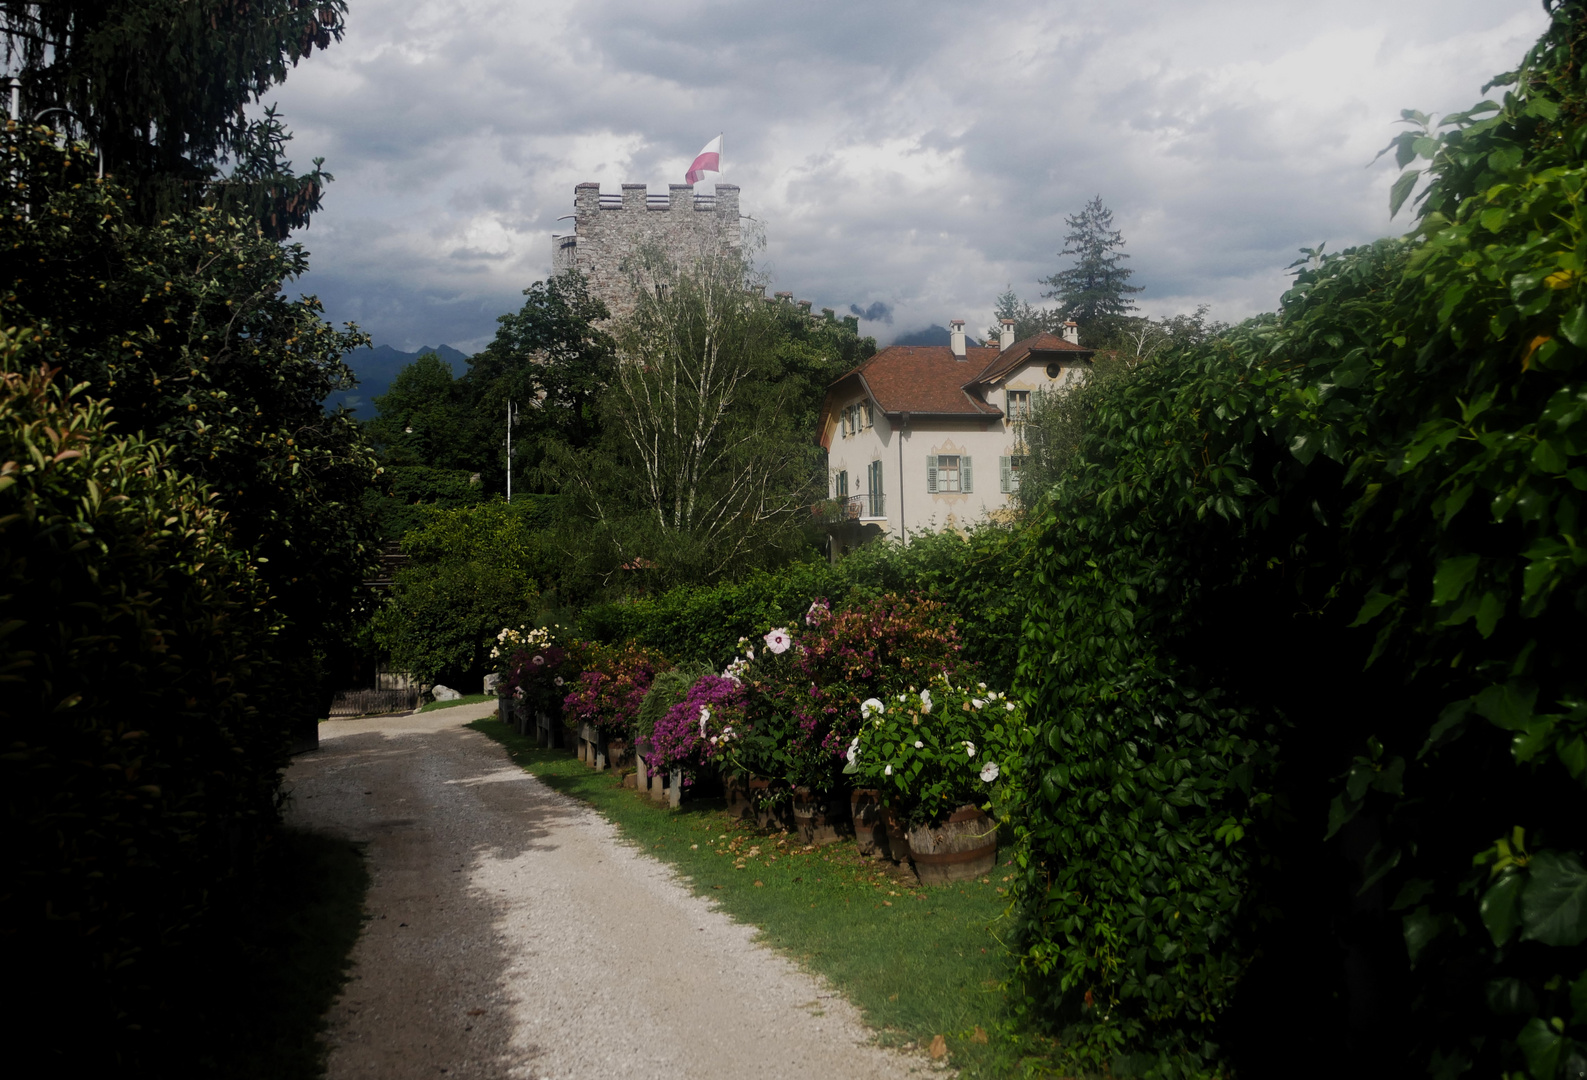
(930, 437)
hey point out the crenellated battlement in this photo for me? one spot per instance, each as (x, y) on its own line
(610, 228)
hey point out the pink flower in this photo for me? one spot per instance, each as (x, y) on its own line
(778, 641)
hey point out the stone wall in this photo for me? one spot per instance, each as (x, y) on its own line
(609, 229)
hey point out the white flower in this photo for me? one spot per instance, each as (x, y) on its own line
(969, 747)
(1009, 705)
(537, 661)
(980, 686)
(887, 771)
(854, 750)
(557, 680)
(989, 771)
(777, 641)
(919, 745)
(870, 707)
(977, 702)
(925, 701)
(705, 714)
(749, 654)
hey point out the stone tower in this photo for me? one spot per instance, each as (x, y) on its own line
(610, 228)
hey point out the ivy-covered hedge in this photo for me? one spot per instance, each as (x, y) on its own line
(1305, 654)
(137, 771)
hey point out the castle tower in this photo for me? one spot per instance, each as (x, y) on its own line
(608, 229)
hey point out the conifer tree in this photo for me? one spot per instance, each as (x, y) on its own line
(1095, 292)
(160, 88)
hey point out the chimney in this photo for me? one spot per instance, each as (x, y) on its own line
(1005, 337)
(956, 337)
(1072, 332)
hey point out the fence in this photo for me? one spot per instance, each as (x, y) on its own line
(370, 702)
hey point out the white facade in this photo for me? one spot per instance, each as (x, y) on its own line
(936, 471)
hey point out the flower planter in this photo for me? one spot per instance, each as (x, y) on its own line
(818, 819)
(735, 789)
(961, 848)
(897, 836)
(870, 828)
(768, 815)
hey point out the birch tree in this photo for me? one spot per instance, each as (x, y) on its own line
(703, 466)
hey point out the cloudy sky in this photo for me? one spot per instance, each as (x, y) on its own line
(920, 154)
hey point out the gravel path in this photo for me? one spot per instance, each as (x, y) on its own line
(512, 934)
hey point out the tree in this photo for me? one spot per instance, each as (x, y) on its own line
(183, 327)
(159, 89)
(422, 418)
(1095, 291)
(552, 358)
(1029, 320)
(704, 464)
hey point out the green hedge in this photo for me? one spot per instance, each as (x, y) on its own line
(137, 770)
(1305, 655)
(980, 577)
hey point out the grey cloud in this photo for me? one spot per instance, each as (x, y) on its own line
(876, 312)
(923, 151)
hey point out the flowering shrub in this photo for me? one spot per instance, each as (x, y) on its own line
(932, 751)
(700, 728)
(538, 670)
(868, 651)
(612, 688)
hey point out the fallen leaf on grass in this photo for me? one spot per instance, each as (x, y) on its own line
(758, 884)
(887, 903)
(938, 1048)
(716, 886)
(979, 1035)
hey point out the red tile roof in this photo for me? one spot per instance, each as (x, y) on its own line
(926, 379)
(1016, 354)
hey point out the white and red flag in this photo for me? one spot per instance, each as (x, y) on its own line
(708, 160)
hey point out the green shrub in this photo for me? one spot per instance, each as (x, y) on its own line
(135, 656)
(1304, 654)
(473, 570)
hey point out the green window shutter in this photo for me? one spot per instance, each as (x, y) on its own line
(876, 477)
(964, 473)
(1003, 475)
(931, 474)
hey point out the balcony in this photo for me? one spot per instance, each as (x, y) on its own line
(871, 507)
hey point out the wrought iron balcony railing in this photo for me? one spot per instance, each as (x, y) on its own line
(851, 508)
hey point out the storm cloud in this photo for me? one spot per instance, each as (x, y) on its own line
(921, 153)
(877, 312)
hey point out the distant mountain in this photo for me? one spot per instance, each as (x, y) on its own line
(931, 335)
(376, 368)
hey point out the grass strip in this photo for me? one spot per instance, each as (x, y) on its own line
(466, 699)
(919, 961)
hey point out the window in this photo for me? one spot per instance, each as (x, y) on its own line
(840, 485)
(1018, 405)
(873, 474)
(947, 473)
(1008, 470)
(865, 409)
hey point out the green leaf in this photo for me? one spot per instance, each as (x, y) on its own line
(1410, 893)
(1422, 927)
(1574, 326)
(1508, 705)
(1511, 997)
(1542, 1046)
(1554, 905)
(1494, 217)
(1340, 812)
(1500, 907)
(1372, 607)
(1402, 190)
(1452, 576)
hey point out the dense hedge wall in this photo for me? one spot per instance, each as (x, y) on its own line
(1305, 654)
(137, 771)
(980, 577)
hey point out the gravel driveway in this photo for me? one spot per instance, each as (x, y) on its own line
(512, 934)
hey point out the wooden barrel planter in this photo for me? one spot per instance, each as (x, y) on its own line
(870, 829)
(767, 814)
(897, 831)
(735, 789)
(960, 848)
(819, 819)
